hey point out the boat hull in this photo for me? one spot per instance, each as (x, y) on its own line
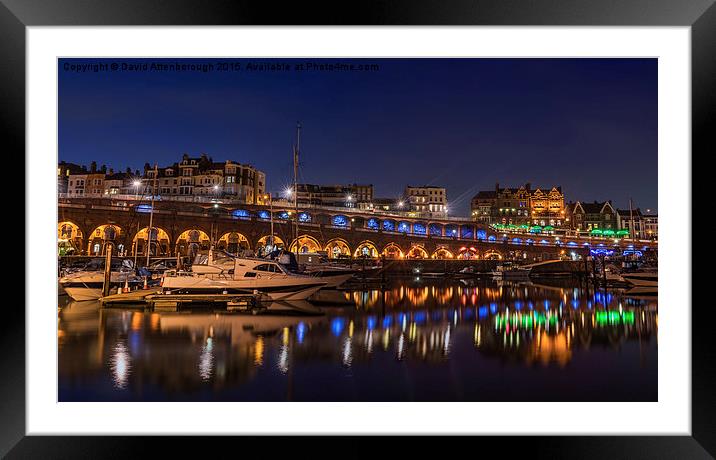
(278, 290)
(80, 294)
(333, 281)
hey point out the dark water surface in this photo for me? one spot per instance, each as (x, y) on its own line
(420, 340)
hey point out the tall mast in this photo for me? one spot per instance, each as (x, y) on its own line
(151, 214)
(295, 179)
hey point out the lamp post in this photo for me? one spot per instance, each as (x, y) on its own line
(270, 198)
(137, 183)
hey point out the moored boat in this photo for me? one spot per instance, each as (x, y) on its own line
(511, 271)
(249, 275)
(88, 283)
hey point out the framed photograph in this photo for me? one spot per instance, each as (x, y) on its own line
(416, 219)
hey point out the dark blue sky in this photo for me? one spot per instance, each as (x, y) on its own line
(589, 125)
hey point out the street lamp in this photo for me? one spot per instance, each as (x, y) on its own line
(137, 183)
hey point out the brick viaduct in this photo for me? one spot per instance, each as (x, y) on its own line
(185, 226)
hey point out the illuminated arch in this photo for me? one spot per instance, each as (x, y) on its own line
(264, 240)
(191, 241)
(159, 242)
(233, 242)
(100, 235)
(417, 252)
(442, 253)
(366, 249)
(492, 255)
(337, 247)
(393, 251)
(69, 238)
(468, 254)
(305, 244)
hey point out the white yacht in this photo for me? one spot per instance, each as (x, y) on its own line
(247, 276)
(511, 271)
(86, 284)
(219, 262)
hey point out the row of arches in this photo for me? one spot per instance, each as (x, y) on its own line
(192, 241)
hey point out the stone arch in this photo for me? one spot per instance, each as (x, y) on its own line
(264, 240)
(233, 242)
(392, 251)
(159, 242)
(191, 241)
(468, 253)
(69, 238)
(337, 247)
(417, 252)
(366, 249)
(443, 253)
(304, 244)
(97, 239)
(491, 254)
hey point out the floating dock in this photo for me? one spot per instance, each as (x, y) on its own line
(171, 302)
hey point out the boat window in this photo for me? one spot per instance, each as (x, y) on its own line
(249, 275)
(266, 268)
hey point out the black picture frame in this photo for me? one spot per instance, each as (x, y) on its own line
(700, 15)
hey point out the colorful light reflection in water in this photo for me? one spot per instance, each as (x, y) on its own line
(481, 340)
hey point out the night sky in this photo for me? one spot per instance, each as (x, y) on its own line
(589, 125)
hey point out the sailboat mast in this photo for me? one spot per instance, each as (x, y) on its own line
(295, 180)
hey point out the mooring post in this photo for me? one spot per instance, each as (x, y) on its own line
(604, 271)
(107, 270)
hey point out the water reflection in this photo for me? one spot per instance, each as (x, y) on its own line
(482, 337)
(120, 365)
